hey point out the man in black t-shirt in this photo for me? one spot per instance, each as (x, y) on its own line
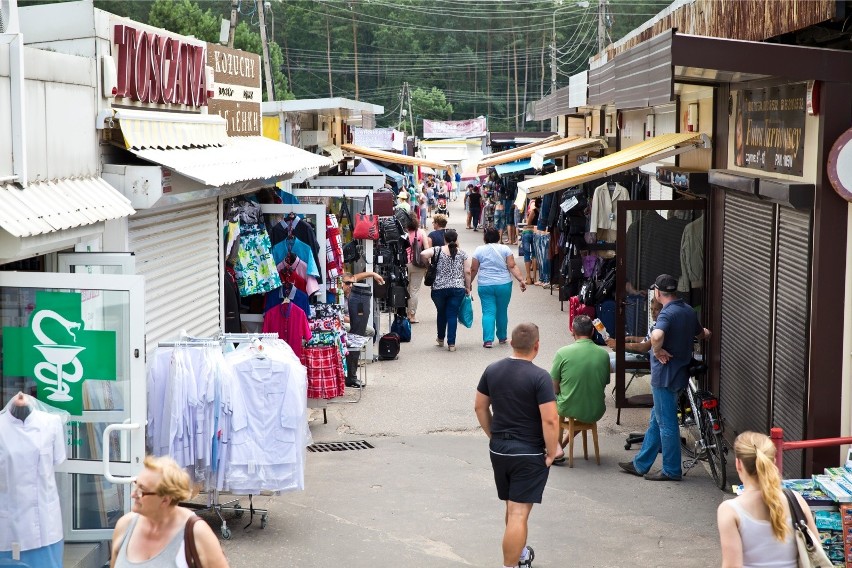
(524, 434)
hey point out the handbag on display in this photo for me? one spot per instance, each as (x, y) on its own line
(351, 250)
(366, 224)
(811, 554)
(390, 230)
(432, 271)
(466, 311)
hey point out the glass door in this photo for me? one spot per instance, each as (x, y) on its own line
(654, 237)
(77, 342)
(97, 262)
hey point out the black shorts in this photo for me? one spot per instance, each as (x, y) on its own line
(520, 471)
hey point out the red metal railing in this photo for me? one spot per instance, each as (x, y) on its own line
(777, 435)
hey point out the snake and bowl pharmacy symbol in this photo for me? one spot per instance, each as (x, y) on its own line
(58, 352)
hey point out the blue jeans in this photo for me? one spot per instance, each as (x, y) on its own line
(542, 253)
(495, 307)
(527, 249)
(662, 433)
(447, 302)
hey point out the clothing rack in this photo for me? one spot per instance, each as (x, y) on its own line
(214, 502)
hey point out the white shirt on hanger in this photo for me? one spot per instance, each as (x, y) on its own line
(29, 502)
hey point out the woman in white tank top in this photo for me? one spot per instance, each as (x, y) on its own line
(755, 528)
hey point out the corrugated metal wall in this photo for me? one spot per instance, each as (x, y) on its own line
(746, 313)
(177, 250)
(790, 371)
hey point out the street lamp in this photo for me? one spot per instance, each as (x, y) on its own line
(583, 4)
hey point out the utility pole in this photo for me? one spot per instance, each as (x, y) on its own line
(601, 25)
(270, 91)
(553, 56)
(235, 5)
(355, 44)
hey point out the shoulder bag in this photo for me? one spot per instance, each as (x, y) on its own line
(352, 249)
(189, 548)
(432, 271)
(811, 554)
(366, 224)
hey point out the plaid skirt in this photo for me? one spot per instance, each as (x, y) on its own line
(326, 375)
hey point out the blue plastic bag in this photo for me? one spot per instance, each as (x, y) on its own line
(466, 311)
(402, 327)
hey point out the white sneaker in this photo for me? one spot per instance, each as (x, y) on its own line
(530, 556)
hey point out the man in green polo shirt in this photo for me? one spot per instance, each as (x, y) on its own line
(580, 375)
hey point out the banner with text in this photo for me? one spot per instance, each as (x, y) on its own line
(236, 89)
(770, 129)
(455, 128)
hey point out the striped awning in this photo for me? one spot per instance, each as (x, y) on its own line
(382, 156)
(520, 153)
(539, 156)
(48, 206)
(241, 158)
(651, 150)
(142, 129)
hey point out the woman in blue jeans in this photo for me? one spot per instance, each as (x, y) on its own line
(494, 265)
(452, 282)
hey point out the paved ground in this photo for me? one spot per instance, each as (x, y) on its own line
(424, 496)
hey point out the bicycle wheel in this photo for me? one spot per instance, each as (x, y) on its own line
(689, 434)
(714, 444)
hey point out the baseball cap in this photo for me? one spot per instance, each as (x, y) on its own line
(665, 283)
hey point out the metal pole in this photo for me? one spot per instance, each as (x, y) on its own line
(267, 67)
(777, 436)
(235, 4)
(601, 25)
(553, 56)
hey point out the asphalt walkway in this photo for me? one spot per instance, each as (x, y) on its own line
(424, 495)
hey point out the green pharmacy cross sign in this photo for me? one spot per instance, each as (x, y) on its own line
(57, 352)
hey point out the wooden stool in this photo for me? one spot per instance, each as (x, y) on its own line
(574, 427)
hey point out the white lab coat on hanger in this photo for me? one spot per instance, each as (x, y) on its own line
(29, 502)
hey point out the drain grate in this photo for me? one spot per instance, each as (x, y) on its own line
(340, 446)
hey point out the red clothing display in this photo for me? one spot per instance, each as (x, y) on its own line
(290, 323)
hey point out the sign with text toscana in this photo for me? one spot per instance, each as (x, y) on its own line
(770, 129)
(56, 351)
(155, 67)
(236, 89)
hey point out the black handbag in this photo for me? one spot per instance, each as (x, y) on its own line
(352, 250)
(432, 271)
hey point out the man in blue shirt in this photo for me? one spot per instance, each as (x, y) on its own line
(671, 347)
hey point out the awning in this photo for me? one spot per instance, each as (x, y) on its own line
(480, 174)
(519, 166)
(334, 151)
(538, 157)
(242, 158)
(368, 166)
(392, 157)
(651, 150)
(521, 153)
(151, 129)
(427, 170)
(44, 207)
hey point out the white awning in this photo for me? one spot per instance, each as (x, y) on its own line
(242, 158)
(152, 129)
(45, 207)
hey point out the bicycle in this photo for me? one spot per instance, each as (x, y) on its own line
(701, 430)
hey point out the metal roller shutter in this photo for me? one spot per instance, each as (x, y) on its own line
(177, 250)
(746, 313)
(790, 375)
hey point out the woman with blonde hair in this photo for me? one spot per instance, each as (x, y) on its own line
(755, 528)
(152, 534)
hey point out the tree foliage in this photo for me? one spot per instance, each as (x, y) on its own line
(429, 104)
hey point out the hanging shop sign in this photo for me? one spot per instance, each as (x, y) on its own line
(156, 68)
(840, 166)
(58, 351)
(455, 128)
(236, 89)
(770, 129)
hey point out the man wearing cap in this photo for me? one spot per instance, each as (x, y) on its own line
(671, 348)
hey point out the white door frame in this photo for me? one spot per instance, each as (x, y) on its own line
(125, 260)
(134, 450)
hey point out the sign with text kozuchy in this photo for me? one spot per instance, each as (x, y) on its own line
(770, 129)
(236, 89)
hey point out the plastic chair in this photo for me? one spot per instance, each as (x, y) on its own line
(574, 427)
